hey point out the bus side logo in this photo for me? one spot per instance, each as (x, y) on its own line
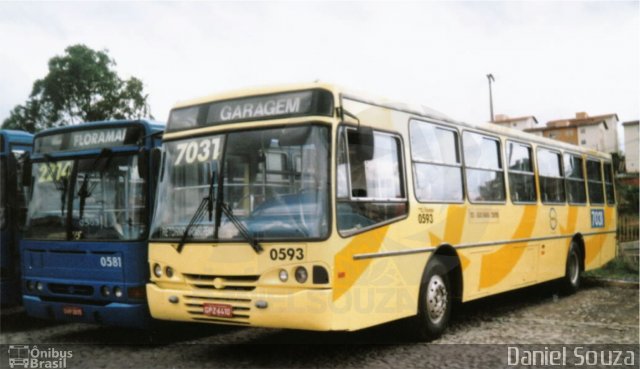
(597, 218)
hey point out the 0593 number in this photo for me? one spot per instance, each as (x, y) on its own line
(286, 254)
(425, 218)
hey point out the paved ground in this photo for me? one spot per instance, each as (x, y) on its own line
(596, 314)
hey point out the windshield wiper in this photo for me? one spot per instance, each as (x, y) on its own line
(84, 192)
(206, 203)
(243, 230)
(221, 206)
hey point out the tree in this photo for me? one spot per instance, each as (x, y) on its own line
(81, 86)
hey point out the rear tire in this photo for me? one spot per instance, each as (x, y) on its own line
(571, 279)
(435, 301)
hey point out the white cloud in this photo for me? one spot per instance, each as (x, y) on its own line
(549, 59)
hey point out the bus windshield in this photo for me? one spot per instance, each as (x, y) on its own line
(274, 183)
(108, 200)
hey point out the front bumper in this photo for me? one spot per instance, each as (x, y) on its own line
(115, 313)
(310, 309)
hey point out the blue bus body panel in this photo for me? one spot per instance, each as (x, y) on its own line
(73, 273)
(9, 235)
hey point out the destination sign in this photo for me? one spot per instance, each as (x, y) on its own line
(289, 104)
(88, 139)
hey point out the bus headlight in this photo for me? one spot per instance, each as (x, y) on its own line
(283, 275)
(31, 285)
(39, 286)
(301, 274)
(105, 291)
(157, 270)
(117, 291)
(168, 271)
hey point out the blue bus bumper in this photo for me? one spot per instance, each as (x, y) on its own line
(114, 314)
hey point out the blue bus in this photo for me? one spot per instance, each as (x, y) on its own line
(15, 147)
(84, 250)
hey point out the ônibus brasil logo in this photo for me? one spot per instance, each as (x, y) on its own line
(25, 356)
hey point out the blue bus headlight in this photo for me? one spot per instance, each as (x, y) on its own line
(117, 291)
(39, 286)
(31, 285)
(105, 291)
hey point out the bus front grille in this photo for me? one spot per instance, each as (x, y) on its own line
(70, 289)
(240, 307)
(219, 282)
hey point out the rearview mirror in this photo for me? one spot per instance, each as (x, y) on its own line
(143, 163)
(156, 158)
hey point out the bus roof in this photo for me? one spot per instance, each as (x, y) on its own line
(15, 136)
(420, 111)
(151, 126)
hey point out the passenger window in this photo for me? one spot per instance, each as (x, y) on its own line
(522, 184)
(608, 184)
(574, 176)
(483, 167)
(436, 163)
(550, 176)
(594, 182)
(371, 191)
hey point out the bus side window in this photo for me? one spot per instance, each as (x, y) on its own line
(574, 177)
(550, 176)
(369, 191)
(483, 167)
(436, 163)
(608, 184)
(522, 184)
(594, 182)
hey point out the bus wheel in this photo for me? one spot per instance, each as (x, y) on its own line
(571, 280)
(434, 306)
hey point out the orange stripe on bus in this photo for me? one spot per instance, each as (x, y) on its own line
(592, 247)
(363, 243)
(497, 265)
(453, 229)
(572, 218)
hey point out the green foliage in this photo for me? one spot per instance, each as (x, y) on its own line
(629, 198)
(81, 86)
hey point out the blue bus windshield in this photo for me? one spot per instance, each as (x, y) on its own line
(106, 195)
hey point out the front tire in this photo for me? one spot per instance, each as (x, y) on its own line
(571, 279)
(435, 301)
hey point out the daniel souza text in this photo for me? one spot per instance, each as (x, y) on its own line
(576, 356)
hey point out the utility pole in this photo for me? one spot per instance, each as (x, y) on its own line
(491, 79)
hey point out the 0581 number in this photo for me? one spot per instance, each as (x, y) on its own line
(286, 254)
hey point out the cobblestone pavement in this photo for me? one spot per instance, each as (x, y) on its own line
(536, 315)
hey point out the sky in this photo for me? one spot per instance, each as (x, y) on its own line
(549, 59)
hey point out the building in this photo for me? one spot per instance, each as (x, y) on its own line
(631, 140)
(597, 132)
(521, 123)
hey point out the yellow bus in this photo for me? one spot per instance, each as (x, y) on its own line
(312, 207)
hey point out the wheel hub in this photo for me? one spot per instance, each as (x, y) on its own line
(437, 298)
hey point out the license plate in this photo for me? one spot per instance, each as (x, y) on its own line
(72, 310)
(219, 310)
